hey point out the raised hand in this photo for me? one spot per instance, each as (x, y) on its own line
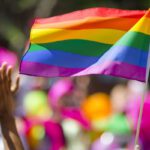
(7, 90)
(10, 135)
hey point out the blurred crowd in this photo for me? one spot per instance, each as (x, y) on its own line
(80, 113)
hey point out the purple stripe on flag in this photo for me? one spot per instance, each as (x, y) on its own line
(38, 69)
(118, 69)
(110, 68)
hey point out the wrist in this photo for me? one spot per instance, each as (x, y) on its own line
(8, 125)
(6, 119)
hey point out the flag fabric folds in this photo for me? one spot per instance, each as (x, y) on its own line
(93, 41)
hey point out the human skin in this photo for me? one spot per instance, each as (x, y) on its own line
(10, 135)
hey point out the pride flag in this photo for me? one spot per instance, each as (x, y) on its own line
(91, 41)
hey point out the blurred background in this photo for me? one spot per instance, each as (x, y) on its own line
(82, 113)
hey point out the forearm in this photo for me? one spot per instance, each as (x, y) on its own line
(10, 135)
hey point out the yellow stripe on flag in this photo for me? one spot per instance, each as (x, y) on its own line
(108, 36)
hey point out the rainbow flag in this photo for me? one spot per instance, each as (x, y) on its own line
(91, 41)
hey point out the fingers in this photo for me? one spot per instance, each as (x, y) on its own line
(0, 81)
(5, 75)
(5, 78)
(0, 75)
(16, 86)
(9, 72)
(3, 71)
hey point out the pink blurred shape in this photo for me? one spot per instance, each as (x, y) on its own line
(60, 88)
(133, 112)
(56, 135)
(76, 114)
(7, 56)
(53, 129)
